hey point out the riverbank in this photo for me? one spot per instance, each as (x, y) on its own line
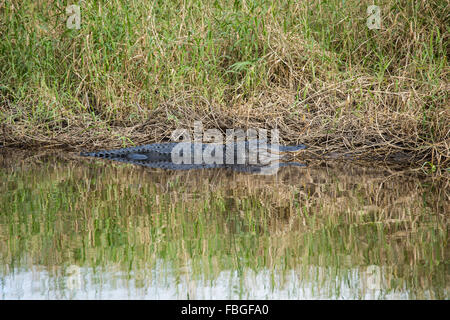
(134, 72)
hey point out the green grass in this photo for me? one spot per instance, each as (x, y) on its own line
(314, 64)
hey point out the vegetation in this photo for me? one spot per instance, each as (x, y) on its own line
(136, 70)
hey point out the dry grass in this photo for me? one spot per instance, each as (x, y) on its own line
(136, 71)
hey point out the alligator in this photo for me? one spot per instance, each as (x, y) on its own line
(235, 155)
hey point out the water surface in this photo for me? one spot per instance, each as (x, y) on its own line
(72, 228)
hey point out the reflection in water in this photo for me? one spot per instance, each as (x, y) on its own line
(73, 229)
(163, 283)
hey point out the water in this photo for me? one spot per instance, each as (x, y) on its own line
(73, 228)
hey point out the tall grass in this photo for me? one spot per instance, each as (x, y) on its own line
(138, 69)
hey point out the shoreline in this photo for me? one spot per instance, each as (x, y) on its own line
(393, 165)
(319, 146)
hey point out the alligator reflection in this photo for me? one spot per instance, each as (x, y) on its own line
(271, 168)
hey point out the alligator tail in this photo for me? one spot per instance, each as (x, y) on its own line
(101, 154)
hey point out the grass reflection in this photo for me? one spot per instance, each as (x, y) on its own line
(313, 232)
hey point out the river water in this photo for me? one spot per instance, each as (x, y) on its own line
(74, 228)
